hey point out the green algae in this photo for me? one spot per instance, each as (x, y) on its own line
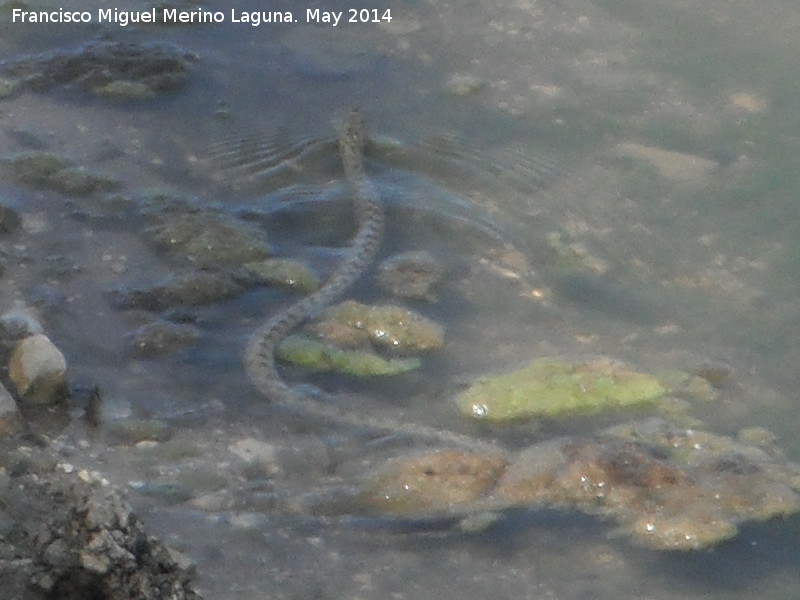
(321, 356)
(350, 336)
(551, 387)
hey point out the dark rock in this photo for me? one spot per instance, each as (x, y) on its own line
(97, 65)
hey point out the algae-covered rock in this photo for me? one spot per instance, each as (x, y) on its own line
(551, 387)
(351, 335)
(8, 87)
(48, 170)
(668, 487)
(285, 272)
(431, 482)
(78, 181)
(98, 67)
(161, 337)
(197, 288)
(410, 275)
(320, 356)
(665, 486)
(388, 326)
(37, 167)
(210, 239)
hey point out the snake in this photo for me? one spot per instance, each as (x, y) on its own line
(259, 356)
(260, 353)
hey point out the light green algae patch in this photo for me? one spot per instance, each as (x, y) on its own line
(551, 387)
(320, 356)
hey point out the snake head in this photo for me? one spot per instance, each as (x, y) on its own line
(353, 131)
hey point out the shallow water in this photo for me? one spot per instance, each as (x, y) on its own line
(498, 147)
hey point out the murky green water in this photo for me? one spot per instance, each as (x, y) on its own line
(611, 178)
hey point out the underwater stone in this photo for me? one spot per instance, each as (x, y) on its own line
(210, 239)
(38, 371)
(320, 356)
(162, 337)
(387, 326)
(36, 168)
(431, 482)
(410, 275)
(188, 289)
(77, 181)
(47, 170)
(669, 488)
(665, 486)
(96, 65)
(285, 272)
(10, 220)
(8, 87)
(551, 387)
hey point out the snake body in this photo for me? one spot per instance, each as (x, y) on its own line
(260, 354)
(259, 359)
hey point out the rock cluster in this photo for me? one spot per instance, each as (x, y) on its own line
(72, 536)
(129, 70)
(667, 487)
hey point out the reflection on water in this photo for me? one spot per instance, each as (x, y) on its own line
(553, 239)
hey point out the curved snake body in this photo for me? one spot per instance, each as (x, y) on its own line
(259, 359)
(260, 354)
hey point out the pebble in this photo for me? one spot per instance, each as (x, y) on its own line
(38, 371)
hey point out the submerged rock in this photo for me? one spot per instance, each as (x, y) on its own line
(209, 238)
(436, 481)
(10, 220)
(320, 356)
(669, 488)
(190, 289)
(162, 337)
(47, 170)
(351, 338)
(389, 326)
(104, 68)
(665, 486)
(410, 275)
(551, 387)
(285, 272)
